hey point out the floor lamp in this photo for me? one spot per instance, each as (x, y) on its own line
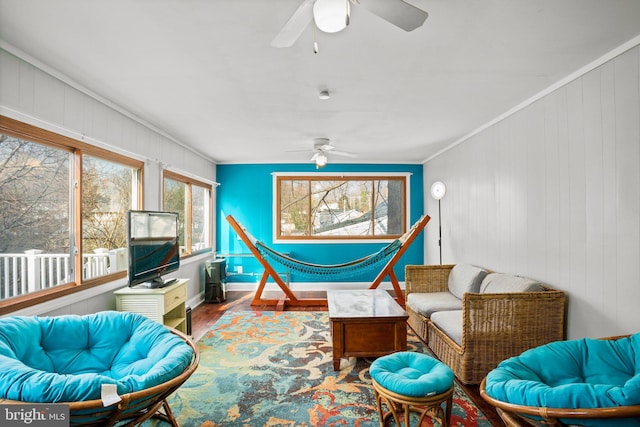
(438, 191)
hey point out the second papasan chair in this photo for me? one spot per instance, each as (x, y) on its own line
(583, 382)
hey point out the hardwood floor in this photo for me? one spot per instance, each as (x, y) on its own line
(206, 314)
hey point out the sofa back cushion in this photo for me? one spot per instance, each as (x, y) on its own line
(495, 283)
(465, 278)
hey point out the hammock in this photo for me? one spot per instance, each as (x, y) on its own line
(334, 271)
(390, 254)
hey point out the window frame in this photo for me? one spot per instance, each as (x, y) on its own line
(77, 149)
(188, 214)
(405, 177)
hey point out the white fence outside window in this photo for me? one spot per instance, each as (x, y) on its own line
(33, 270)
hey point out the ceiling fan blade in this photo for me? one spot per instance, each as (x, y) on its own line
(343, 153)
(295, 25)
(398, 12)
(315, 156)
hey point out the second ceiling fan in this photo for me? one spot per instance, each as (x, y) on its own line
(332, 16)
(322, 147)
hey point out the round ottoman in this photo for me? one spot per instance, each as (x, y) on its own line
(412, 382)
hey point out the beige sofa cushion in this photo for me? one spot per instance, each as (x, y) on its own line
(496, 283)
(429, 302)
(465, 278)
(449, 322)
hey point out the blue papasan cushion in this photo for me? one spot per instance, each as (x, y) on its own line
(584, 373)
(68, 358)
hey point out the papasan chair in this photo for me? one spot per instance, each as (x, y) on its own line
(585, 382)
(89, 362)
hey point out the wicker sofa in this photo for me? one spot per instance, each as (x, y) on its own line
(472, 319)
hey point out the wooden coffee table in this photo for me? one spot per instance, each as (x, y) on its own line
(365, 323)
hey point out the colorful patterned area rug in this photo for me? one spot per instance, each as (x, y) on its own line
(276, 369)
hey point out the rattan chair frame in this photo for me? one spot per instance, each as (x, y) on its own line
(133, 408)
(512, 414)
(401, 404)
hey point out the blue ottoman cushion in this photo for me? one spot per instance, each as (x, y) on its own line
(68, 358)
(411, 374)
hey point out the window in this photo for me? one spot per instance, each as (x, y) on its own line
(108, 192)
(46, 218)
(340, 207)
(191, 199)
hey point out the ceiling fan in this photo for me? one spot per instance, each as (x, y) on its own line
(322, 147)
(331, 16)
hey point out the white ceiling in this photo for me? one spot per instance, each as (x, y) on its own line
(203, 70)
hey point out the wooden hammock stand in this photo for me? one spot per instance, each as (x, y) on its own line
(290, 299)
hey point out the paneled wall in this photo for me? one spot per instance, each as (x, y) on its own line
(32, 94)
(553, 192)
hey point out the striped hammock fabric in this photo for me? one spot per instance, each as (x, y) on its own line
(334, 271)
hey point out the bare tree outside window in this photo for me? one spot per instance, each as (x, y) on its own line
(34, 212)
(192, 202)
(107, 195)
(175, 201)
(63, 207)
(200, 212)
(295, 207)
(349, 207)
(36, 246)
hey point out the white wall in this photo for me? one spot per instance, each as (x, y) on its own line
(553, 192)
(34, 94)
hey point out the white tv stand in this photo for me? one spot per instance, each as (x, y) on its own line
(164, 305)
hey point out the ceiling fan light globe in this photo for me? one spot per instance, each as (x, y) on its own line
(330, 16)
(321, 160)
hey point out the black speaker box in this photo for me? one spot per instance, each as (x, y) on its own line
(215, 280)
(215, 292)
(188, 315)
(215, 270)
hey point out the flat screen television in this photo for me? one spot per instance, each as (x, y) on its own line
(154, 249)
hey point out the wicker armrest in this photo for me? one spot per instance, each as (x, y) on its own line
(426, 278)
(504, 325)
(496, 326)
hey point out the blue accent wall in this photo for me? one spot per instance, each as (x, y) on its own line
(246, 193)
